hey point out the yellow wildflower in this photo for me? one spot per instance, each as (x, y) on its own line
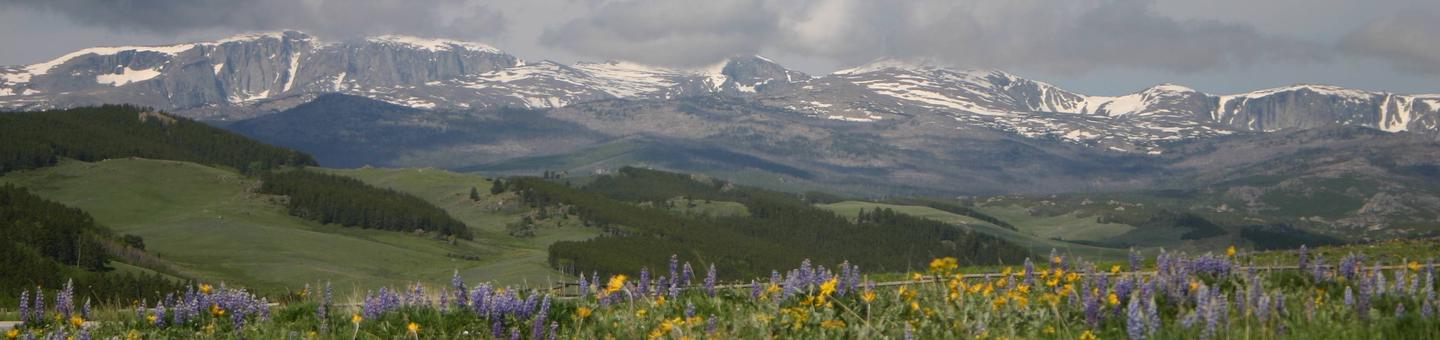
(132, 335)
(1072, 277)
(1194, 285)
(1049, 330)
(640, 313)
(152, 318)
(944, 265)
(616, 283)
(12, 333)
(916, 277)
(1230, 251)
(206, 289)
(583, 312)
(828, 288)
(413, 328)
(915, 305)
(832, 324)
(1023, 289)
(1115, 269)
(1056, 260)
(355, 319)
(1088, 335)
(1414, 266)
(1113, 299)
(1007, 271)
(216, 311)
(868, 296)
(772, 289)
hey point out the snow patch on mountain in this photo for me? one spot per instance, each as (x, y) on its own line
(127, 75)
(433, 45)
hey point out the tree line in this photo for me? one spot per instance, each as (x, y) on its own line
(30, 140)
(781, 231)
(333, 199)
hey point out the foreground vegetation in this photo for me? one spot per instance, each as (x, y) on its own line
(1169, 296)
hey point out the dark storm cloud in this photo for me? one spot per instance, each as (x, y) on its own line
(1057, 36)
(669, 32)
(1407, 40)
(329, 18)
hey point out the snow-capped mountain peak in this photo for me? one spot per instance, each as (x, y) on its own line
(433, 45)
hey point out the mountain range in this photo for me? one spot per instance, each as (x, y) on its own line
(886, 127)
(254, 74)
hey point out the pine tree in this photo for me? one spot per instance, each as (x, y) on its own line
(474, 194)
(497, 187)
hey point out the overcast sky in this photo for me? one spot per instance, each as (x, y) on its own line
(1104, 47)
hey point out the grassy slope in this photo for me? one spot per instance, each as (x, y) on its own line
(206, 222)
(522, 259)
(1038, 245)
(1067, 226)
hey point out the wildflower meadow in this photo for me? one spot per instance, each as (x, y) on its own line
(1170, 295)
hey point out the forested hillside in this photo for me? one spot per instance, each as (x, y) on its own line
(780, 229)
(46, 243)
(31, 140)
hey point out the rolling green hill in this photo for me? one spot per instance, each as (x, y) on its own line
(1036, 243)
(208, 224)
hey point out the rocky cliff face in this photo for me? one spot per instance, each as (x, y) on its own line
(240, 71)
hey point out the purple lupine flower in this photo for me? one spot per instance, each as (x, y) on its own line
(39, 307)
(1262, 308)
(1135, 260)
(1152, 316)
(457, 283)
(1135, 323)
(854, 280)
(686, 275)
(710, 324)
(805, 272)
(755, 290)
(65, 299)
(710, 281)
(844, 279)
(1350, 265)
(909, 333)
(24, 306)
(674, 269)
(444, 299)
(1349, 298)
(689, 310)
(644, 287)
(538, 331)
(1029, 272)
(1092, 309)
(497, 329)
(584, 286)
(159, 314)
(515, 334)
(554, 330)
(84, 334)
